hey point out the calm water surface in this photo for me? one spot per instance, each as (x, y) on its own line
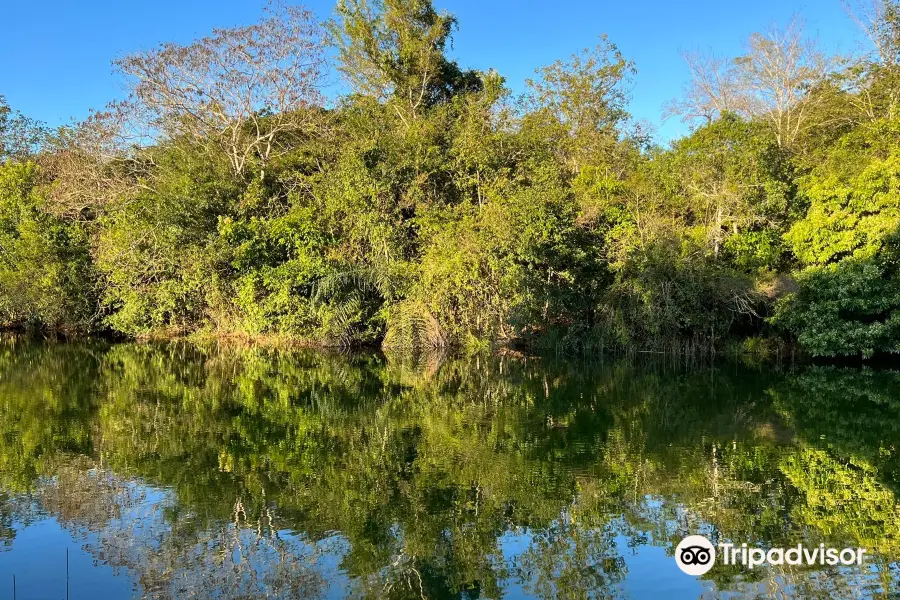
(174, 471)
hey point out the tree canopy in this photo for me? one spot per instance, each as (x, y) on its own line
(231, 193)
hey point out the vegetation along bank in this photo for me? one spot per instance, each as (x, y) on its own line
(232, 192)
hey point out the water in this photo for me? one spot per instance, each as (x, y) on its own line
(175, 471)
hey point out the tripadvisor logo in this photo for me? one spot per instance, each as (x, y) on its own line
(696, 555)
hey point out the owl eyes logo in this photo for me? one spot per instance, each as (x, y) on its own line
(695, 555)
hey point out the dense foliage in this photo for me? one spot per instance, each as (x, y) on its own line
(431, 206)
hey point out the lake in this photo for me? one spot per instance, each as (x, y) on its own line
(185, 471)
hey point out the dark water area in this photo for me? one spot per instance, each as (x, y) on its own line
(177, 471)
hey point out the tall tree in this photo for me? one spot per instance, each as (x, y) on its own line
(583, 100)
(245, 88)
(770, 81)
(396, 49)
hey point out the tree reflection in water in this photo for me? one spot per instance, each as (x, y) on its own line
(229, 472)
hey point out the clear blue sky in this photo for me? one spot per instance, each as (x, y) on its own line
(55, 55)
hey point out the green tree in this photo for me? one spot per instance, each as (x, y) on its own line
(396, 49)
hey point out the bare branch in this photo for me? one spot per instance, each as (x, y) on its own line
(243, 88)
(772, 81)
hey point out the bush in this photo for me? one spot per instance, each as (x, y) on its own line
(845, 309)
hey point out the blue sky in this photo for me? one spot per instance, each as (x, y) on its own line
(55, 55)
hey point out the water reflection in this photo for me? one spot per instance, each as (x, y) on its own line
(207, 472)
